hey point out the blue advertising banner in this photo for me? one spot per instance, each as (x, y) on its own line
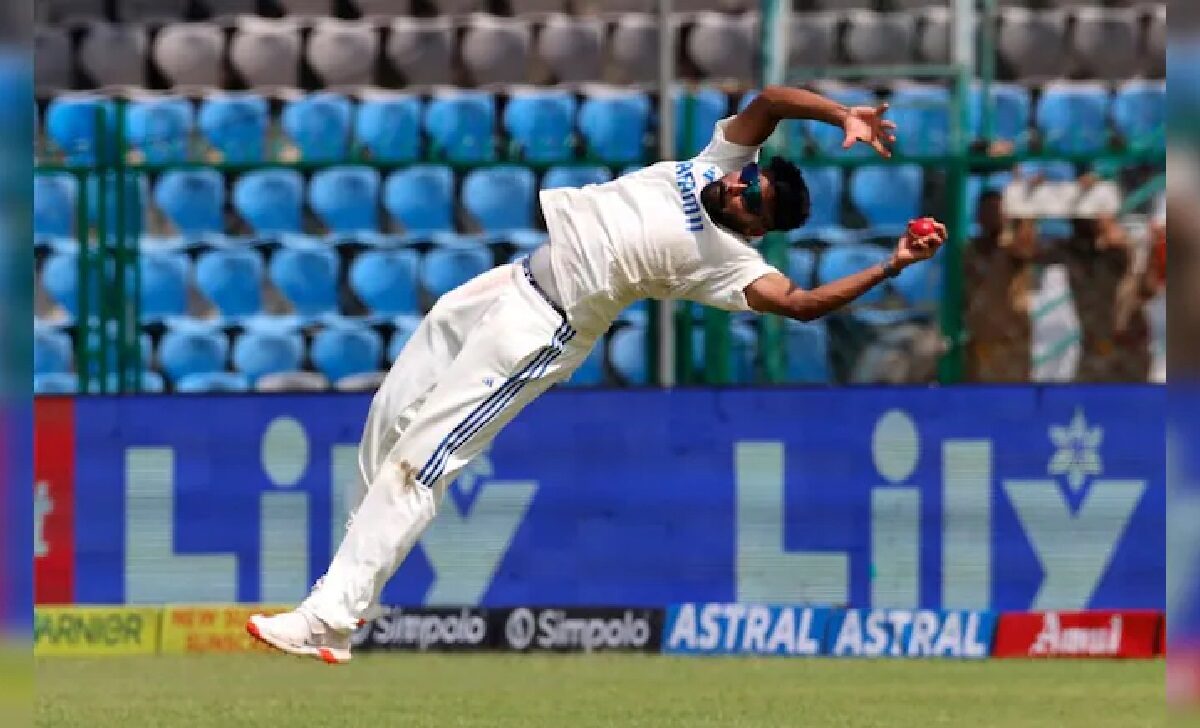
(999, 498)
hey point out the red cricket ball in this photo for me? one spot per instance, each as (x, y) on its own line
(922, 227)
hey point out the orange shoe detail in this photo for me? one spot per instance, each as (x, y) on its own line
(328, 657)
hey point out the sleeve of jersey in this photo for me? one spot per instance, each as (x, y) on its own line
(725, 288)
(720, 149)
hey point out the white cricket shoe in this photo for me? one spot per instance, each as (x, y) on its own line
(300, 633)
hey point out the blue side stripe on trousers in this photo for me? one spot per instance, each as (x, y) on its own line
(499, 407)
(451, 439)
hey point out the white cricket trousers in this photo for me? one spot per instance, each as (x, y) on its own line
(483, 352)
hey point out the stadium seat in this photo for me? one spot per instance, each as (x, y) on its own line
(266, 53)
(65, 12)
(1106, 41)
(52, 351)
(235, 124)
(694, 131)
(743, 345)
(310, 10)
(258, 353)
(232, 280)
(382, 9)
(307, 275)
(460, 7)
(227, 10)
(843, 260)
(591, 372)
(875, 39)
(52, 383)
(164, 284)
(572, 48)
(934, 31)
(921, 285)
(461, 125)
(627, 354)
(343, 52)
(137, 199)
(148, 383)
(346, 199)
(53, 59)
(445, 268)
(802, 267)
(406, 326)
(575, 177)
(113, 54)
(190, 54)
(1034, 43)
(633, 48)
(192, 200)
(422, 49)
(319, 125)
(828, 138)
(723, 46)
(212, 382)
(160, 128)
(813, 39)
(346, 349)
(270, 200)
(387, 126)
(889, 197)
(291, 382)
(496, 49)
(386, 280)
(1073, 117)
(806, 347)
(1011, 112)
(825, 187)
(60, 279)
(1139, 113)
(192, 348)
(150, 11)
(540, 124)
(500, 198)
(614, 126)
(73, 125)
(1156, 42)
(54, 196)
(421, 198)
(923, 113)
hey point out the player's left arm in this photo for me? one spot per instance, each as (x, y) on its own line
(776, 293)
(755, 124)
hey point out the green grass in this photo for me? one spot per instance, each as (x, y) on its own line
(492, 691)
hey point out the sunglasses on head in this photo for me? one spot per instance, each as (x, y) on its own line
(752, 194)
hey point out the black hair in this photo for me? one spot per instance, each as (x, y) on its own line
(793, 205)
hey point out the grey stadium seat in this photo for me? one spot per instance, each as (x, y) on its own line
(723, 46)
(72, 11)
(634, 48)
(51, 58)
(460, 7)
(422, 49)
(1156, 42)
(381, 8)
(934, 34)
(292, 382)
(1106, 42)
(228, 9)
(812, 39)
(190, 54)
(1034, 43)
(306, 8)
(266, 52)
(497, 50)
(572, 47)
(114, 55)
(537, 7)
(143, 11)
(343, 52)
(879, 38)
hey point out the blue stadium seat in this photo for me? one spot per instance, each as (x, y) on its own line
(556, 177)
(540, 124)
(51, 351)
(270, 200)
(160, 128)
(845, 260)
(212, 382)
(1139, 113)
(235, 124)
(137, 196)
(591, 372)
(421, 198)
(825, 186)
(1011, 112)
(388, 127)
(55, 383)
(164, 284)
(346, 349)
(693, 131)
(406, 326)
(614, 126)
(445, 268)
(627, 354)
(921, 285)
(500, 198)
(461, 125)
(828, 138)
(386, 280)
(192, 348)
(54, 196)
(806, 346)
(1073, 118)
(232, 280)
(889, 197)
(346, 199)
(60, 278)
(923, 115)
(72, 124)
(307, 276)
(802, 267)
(193, 200)
(319, 125)
(743, 345)
(260, 352)
(525, 241)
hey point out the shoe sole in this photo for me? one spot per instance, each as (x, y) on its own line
(324, 654)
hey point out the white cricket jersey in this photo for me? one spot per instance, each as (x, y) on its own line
(646, 235)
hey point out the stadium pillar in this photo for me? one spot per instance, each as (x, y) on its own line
(665, 345)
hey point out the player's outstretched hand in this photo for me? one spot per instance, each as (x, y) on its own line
(920, 242)
(866, 124)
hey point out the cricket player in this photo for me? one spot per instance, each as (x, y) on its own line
(672, 230)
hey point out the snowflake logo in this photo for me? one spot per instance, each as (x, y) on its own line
(1076, 453)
